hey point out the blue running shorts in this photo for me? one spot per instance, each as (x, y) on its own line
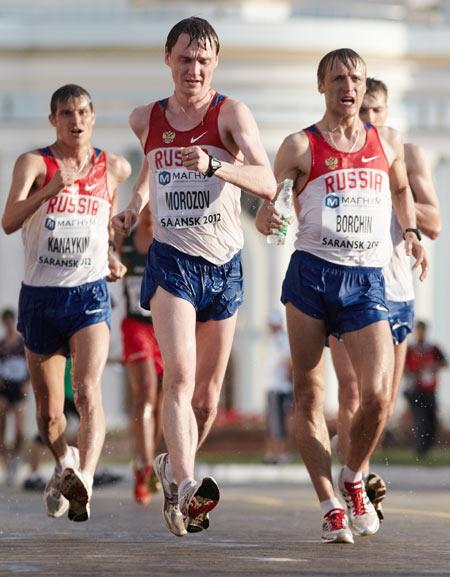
(215, 291)
(347, 298)
(401, 319)
(49, 316)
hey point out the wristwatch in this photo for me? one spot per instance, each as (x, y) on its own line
(416, 231)
(214, 164)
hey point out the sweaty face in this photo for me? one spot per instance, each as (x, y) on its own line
(374, 108)
(192, 65)
(74, 120)
(344, 86)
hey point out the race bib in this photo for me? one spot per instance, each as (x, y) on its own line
(185, 198)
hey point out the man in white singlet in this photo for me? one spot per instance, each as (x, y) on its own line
(398, 278)
(201, 148)
(62, 197)
(344, 172)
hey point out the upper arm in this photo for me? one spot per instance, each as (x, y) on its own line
(240, 132)
(293, 159)
(27, 169)
(394, 150)
(419, 176)
(139, 122)
(119, 169)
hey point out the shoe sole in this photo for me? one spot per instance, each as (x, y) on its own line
(343, 539)
(76, 493)
(204, 500)
(376, 491)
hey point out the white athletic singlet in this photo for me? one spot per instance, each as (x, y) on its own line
(66, 239)
(196, 214)
(346, 203)
(398, 274)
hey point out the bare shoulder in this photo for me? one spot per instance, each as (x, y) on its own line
(390, 135)
(30, 163)
(414, 154)
(118, 167)
(297, 142)
(139, 119)
(234, 111)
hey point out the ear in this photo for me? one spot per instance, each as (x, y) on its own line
(167, 58)
(51, 119)
(94, 117)
(320, 86)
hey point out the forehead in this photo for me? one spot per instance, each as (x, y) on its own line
(73, 103)
(337, 67)
(374, 99)
(187, 47)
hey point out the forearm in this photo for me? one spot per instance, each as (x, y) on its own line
(403, 203)
(20, 210)
(428, 219)
(257, 180)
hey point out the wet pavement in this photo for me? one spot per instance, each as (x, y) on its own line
(258, 529)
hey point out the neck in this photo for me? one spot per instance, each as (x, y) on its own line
(196, 102)
(79, 151)
(340, 124)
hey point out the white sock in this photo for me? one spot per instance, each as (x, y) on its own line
(68, 459)
(329, 505)
(87, 478)
(185, 483)
(350, 476)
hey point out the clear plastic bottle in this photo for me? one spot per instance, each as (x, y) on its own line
(283, 205)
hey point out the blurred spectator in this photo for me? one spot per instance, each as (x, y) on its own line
(424, 359)
(13, 390)
(279, 391)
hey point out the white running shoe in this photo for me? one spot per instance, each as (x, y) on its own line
(196, 501)
(77, 493)
(361, 513)
(171, 510)
(376, 491)
(335, 527)
(55, 502)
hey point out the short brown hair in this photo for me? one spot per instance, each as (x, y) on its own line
(346, 56)
(198, 29)
(373, 85)
(67, 92)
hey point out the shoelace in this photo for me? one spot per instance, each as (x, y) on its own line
(336, 519)
(355, 493)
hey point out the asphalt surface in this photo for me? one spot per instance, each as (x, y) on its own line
(259, 529)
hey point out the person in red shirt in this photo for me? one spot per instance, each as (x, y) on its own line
(423, 361)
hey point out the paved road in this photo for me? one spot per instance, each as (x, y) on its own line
(260, 529)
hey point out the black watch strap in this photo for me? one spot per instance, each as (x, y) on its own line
(416, 231)
(213, 165)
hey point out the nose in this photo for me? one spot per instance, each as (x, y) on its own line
(194, 67)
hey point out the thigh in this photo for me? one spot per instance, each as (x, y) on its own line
(174, 320)
(144, 380)
(372, 354)
(214, 340)
(89, 351)
(47, 378)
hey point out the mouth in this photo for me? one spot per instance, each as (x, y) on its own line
(348, 100)
(76, 131)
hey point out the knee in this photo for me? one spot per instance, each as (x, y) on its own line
(48, 419)
(349, 395)
(376, 405)
(87, 399)
(204, 414)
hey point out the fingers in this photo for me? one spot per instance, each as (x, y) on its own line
(194, 158)
(123, 222)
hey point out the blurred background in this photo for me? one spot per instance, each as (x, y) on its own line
(269, 54)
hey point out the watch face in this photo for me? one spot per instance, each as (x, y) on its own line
(215, 163)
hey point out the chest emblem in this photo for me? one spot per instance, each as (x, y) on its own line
(168, 136)
(332, 162)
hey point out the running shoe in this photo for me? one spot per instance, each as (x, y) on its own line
(361, 513)
(55, 502)
(143, 484)
(376, 491)
(34, 483)
(197, 501)
(171, 510)
(335, 527)
(77, 493)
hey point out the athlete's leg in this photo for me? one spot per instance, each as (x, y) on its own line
(214, 341)
(307, 341)
(371, 352)
(348, 394)
(174, 320)
(47, 378)
(19, 435)
(4, 408)
(400, 351)
(89, 349)
(144, 384)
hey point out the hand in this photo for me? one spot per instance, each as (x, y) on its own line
(62, 178)
(268, 220)
(194, 158)
(414, 248)
(116, 268)
(124, 221)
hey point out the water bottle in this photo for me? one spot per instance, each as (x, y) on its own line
(283, 206)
